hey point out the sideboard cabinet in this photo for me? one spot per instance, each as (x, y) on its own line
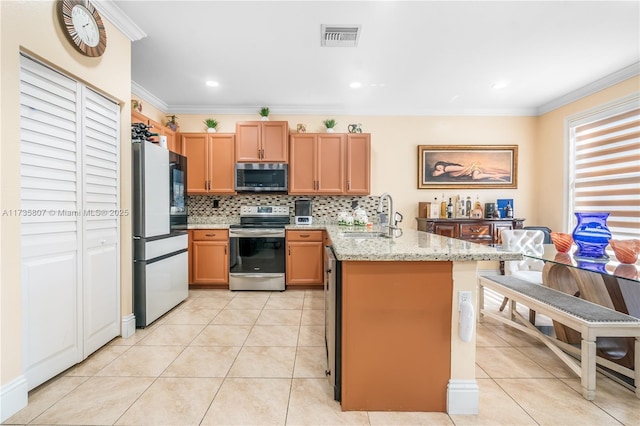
(481, 231)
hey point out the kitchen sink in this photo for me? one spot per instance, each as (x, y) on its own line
(363, 235)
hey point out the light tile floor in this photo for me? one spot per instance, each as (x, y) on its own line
(253, 358)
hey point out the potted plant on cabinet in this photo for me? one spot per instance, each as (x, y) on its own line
(264, 114)
(329, 124)
(211, 125)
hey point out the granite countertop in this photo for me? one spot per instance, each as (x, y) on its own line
(411, 245)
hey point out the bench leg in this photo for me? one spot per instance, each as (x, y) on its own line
(588, 369)
(512, 310)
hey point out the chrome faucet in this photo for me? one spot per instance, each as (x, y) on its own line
(389, 225)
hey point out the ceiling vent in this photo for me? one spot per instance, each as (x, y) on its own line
(340, 35)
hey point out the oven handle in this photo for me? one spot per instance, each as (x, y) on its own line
(260, 276)
(256, 233)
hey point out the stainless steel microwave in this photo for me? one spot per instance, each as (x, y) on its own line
(261, 177)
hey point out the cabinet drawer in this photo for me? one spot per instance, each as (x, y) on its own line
(475, 231)
(304, 235)
(210, 235)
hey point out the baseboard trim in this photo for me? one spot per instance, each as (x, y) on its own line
(13, 397)
(128, 326)
(463, 397)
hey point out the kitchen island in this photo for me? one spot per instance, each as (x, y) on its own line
(397, 328)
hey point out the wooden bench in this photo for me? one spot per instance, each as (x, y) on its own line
(589, 319)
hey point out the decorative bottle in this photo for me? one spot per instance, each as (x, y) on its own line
(443, 208)
(508, 211)
(449, 209)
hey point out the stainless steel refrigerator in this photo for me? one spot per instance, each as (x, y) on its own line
(160, 241)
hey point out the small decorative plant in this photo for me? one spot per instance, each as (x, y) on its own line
(264, 112)
(211, 124)
(329, 124)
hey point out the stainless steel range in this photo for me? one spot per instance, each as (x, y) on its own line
(257, 248)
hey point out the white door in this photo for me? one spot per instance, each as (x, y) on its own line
(101, 219)
(58, 290)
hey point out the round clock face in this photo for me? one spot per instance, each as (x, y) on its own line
(83, 26)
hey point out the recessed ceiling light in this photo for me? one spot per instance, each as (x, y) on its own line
(355, 85)
(212, 83)
(499, 84)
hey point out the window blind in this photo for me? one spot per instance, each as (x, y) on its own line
(606, 169)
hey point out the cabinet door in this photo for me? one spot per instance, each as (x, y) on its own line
(221, 163)
(274, 135)
(210, 262)
(194, 147)
(304, 263)
(358, 164)
(446, 229)
(248, 135)
(302, 174)
(330, 163)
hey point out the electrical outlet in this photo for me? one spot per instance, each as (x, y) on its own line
(216, 204)
(463, 296)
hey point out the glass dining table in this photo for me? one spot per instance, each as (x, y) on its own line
(608, 266)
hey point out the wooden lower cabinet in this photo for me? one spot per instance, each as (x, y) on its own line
(481, 231)
(305, 251)
(209, 258)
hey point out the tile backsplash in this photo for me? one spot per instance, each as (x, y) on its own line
(325, 208)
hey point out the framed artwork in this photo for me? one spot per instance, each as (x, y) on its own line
(467, 166)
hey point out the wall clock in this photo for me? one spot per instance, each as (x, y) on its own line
(83, 26)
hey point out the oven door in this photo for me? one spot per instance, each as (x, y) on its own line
(256, 259)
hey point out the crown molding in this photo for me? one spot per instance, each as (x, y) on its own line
(149, 97)
(119, 19)
(591, 88)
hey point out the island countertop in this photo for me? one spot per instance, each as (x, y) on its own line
(411, 245)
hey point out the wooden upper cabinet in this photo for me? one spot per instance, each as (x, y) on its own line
(210, 162)
(222, 163)
(194, 147)
(317, 163)
(302, 165)
(358, 164)
(262, 141)
(331, 163)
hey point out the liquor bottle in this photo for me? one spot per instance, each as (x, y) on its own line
(443, 208)
(508, 210)
(460, 209)
(450, 209)
(467, 209)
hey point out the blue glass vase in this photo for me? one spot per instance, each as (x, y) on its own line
(591, 235)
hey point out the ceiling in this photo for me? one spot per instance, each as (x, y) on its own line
(413, 57)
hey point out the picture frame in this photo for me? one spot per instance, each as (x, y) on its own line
(467, 166)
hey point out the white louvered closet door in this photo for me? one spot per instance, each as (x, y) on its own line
(101, 220)
(69, 262)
